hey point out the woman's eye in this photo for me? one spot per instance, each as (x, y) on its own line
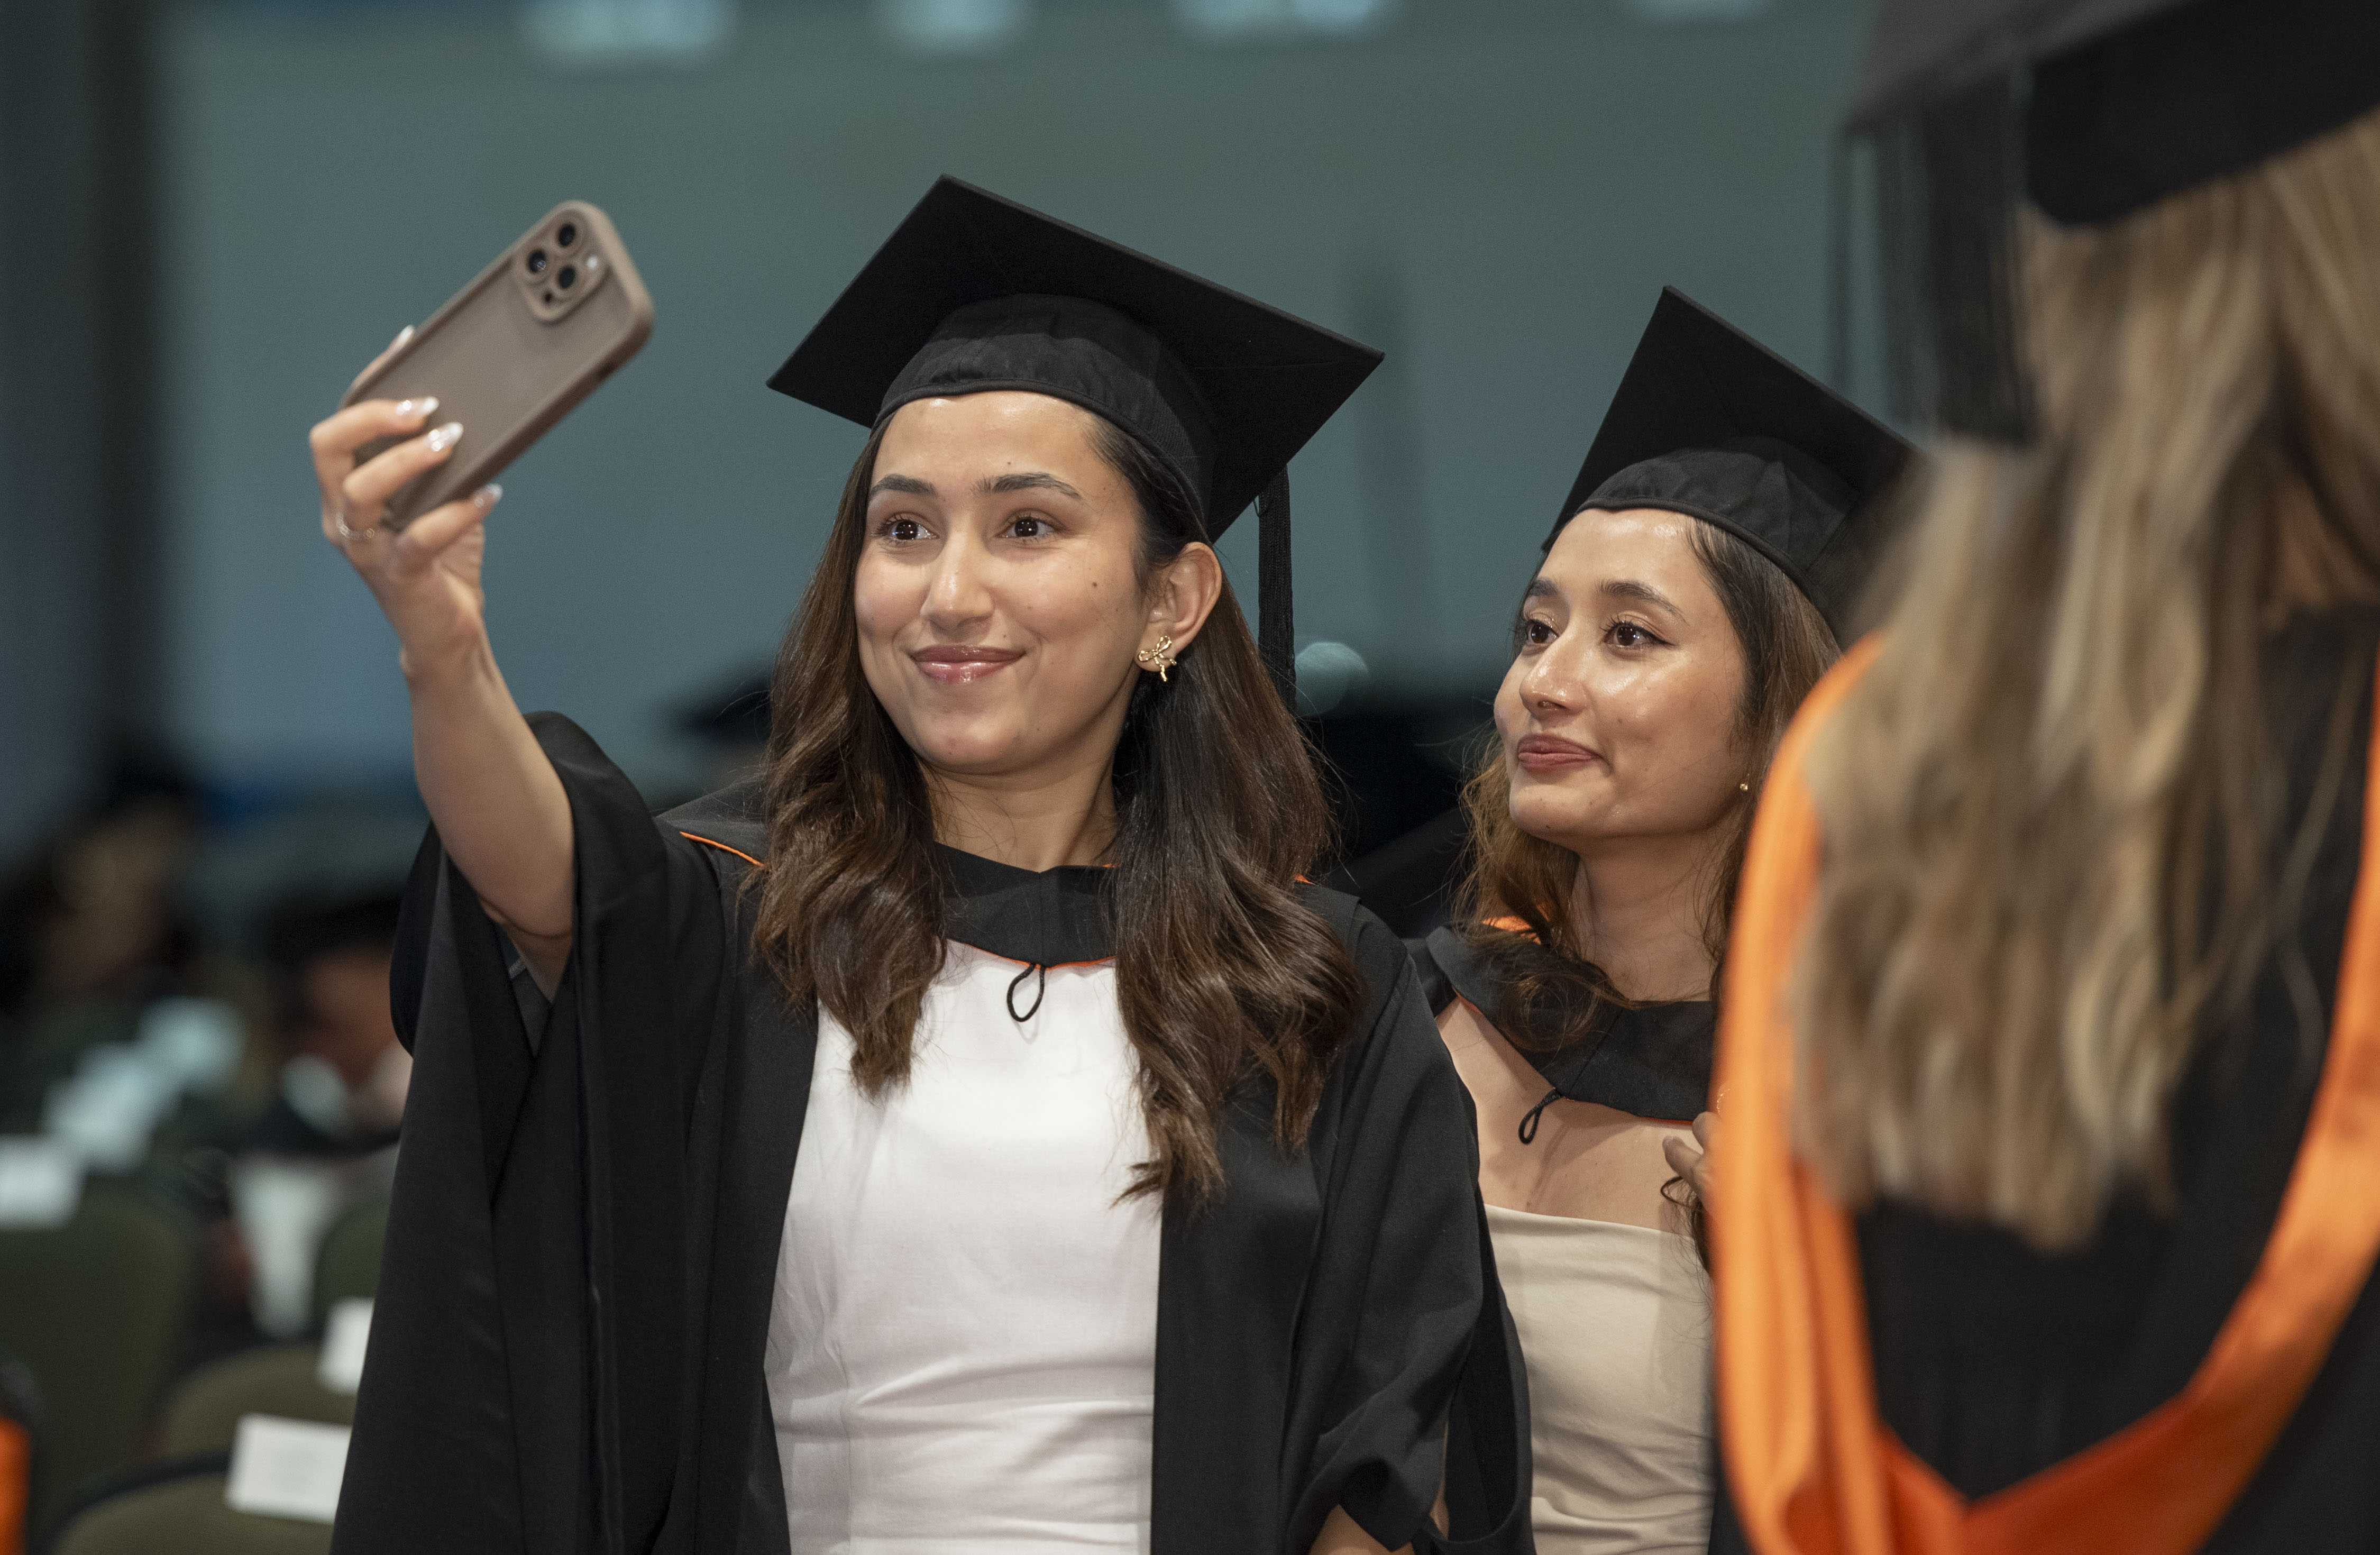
(1535, 633)
(1627, 634)
(902, 530)
(1029, 527)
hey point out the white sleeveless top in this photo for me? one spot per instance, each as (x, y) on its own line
(1615, 1327)
(962, 1351)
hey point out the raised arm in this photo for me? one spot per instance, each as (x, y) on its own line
(500, 811)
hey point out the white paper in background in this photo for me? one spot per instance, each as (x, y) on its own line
(344, 1337)
(40, 1183)
(286, 1468)
(284, 1206)
(197, 1042)
(106, 1110)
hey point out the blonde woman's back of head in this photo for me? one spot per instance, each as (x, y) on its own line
(2052, 806)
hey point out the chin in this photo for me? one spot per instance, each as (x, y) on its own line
(963, 746)
(1546, 813)
(967, 753)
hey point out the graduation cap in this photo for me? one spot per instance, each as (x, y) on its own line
(2134, 100)
(2095, 109)
(1708, 421)
(974, 292)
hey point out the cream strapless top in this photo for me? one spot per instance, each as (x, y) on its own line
(1615, 1326)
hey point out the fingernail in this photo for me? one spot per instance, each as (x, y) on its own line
(489, 495)
(444, 438)
(416, 407)
(402, 336)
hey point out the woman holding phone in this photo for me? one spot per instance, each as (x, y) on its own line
(1691, 594)
(969, 1135)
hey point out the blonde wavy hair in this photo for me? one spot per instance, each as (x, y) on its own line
(2052, 807)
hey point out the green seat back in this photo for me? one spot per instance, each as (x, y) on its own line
(202, 1413)
(184, 1517)
(348, 1264)
(96, 1310)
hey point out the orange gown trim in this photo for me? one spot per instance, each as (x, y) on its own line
(1811, 1468)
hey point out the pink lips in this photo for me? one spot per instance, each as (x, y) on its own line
(1550, 753)
(958, 664)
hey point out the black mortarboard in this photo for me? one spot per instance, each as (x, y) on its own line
(973, 293)
(1710, 422)
(2095, 109)
(2133, 100)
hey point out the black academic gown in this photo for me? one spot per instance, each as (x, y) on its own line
(566, 1352)
(1652, 1061)
(1993, 1361)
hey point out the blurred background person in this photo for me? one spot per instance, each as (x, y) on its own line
(327, 1141)
(342, 1086)
(2043, 1210)
(92, 929)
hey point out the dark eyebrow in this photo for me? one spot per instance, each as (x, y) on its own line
(1539, 589)
(908, 484)
(1629, 589)
(1034, 481)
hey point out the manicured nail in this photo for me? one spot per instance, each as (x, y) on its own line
(444, 438)
(416, 407)
(488, 495)
(402, 336)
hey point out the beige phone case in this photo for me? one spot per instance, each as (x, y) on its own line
(514, 351)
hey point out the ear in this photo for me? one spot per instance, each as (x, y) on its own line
(1181, 594)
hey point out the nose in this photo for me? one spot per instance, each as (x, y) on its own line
(959, 595)
(1551, 683)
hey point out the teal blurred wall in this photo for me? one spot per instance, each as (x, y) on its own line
(1494, 188)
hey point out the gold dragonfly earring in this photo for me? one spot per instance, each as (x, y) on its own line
(1159, 658)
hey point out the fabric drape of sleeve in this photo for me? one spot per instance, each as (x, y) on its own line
(496, 1381)
(1407, 1310)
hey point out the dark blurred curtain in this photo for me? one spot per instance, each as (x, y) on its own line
(81, 582)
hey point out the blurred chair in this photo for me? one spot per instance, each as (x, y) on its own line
(95, 1309)
(202, 1413)
(185, 1515)
(348, 1265)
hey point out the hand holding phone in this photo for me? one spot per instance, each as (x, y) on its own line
(405, 463)
(510, 354)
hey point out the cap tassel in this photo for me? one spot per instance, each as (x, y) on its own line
(1275, 611)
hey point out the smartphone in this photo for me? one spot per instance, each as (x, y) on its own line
(514, 351)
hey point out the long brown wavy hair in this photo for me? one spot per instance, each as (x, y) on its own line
(1221, 972)
(2051, 808)
(1510, 874)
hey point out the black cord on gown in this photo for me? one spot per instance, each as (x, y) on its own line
(1032, 968)
(1529, 1120)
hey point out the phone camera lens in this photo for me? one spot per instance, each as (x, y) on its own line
(566, 236)
(537, 261)
(567, 278)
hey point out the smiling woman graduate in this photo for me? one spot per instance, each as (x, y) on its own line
(969, 1136)
(1693, 590)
